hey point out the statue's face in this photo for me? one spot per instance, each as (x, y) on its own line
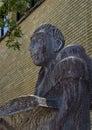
(39, 48)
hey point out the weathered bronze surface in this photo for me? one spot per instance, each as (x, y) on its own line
(63, 77)
(25, 103)
(61, 98)
(27, 113)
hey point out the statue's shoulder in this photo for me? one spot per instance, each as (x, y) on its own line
(71, 63)
(70, 67)
(75, 50)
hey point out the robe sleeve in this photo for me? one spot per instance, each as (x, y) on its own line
(72, 76)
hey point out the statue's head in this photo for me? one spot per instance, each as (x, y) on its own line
(46, 42)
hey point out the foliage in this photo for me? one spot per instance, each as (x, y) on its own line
(14, 30)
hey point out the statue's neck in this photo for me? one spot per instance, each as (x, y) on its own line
(49, 66)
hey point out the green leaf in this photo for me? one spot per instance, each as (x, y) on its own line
(15, 32)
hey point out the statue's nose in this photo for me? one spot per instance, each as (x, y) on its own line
(33, 49)
(30, 47)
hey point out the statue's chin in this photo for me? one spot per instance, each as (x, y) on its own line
(37, 63)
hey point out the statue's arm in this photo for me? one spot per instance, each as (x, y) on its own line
(72, 76)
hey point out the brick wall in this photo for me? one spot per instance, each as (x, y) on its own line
(18, 75)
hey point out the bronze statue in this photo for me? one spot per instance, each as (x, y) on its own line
(63, 77)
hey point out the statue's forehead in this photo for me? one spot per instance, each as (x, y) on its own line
(40, 34)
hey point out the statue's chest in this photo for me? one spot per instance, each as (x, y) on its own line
(44, 85)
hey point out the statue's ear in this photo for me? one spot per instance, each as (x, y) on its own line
(58, 45)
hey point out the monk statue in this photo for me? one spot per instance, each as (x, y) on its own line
(64, 77)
